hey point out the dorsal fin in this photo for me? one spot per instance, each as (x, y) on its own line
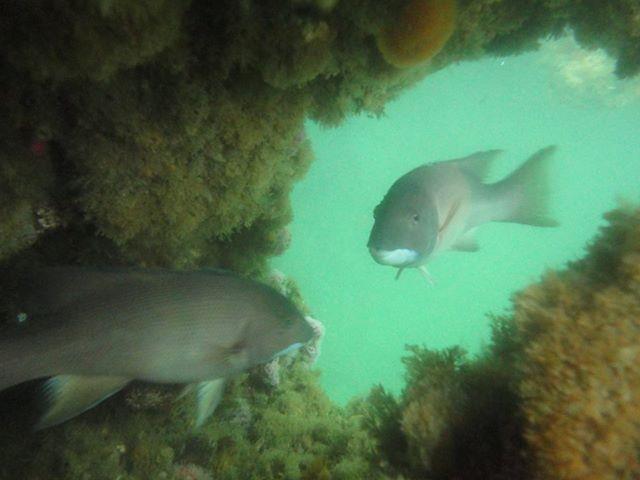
(478, 163)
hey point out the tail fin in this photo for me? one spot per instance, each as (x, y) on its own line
(526, 191)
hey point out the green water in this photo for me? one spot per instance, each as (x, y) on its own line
(520, 104)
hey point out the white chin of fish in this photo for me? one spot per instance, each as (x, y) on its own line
(396, 258)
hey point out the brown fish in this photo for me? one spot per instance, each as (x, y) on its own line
(93, 331)
(436, 207)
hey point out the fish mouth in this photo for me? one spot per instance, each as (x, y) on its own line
(400, 257)
(291, 348)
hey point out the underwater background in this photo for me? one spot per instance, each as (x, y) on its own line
(560, 95)
(257, 137)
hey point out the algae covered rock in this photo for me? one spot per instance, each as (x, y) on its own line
(457, 417)
(580, 380)
(171, 132)
(60, 40)
(173, 169)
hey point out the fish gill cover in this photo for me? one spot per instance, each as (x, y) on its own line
(162, 133)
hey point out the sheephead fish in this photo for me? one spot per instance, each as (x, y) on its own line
(93, 331)
(437, 206)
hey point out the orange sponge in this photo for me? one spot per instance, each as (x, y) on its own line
(421, 30)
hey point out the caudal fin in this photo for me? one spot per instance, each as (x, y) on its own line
(525, 193)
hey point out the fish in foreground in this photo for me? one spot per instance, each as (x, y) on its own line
(436, 207)
(93, 331)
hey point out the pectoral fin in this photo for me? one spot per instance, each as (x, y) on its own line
(70, 395)
(232, 358)
(426, 275)
(208, 396)
(466, 243)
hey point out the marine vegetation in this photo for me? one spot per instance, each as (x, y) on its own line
(258, 431)
(580, 381)
(554, 394)
(457, 417)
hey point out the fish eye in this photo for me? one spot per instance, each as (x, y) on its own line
(415, 218)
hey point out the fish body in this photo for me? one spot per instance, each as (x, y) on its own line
(83, 325)
(436, 207)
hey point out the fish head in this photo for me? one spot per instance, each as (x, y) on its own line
(405, 228)
(278, 330)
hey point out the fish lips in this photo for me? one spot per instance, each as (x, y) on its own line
(399, 257)
(308, 335)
